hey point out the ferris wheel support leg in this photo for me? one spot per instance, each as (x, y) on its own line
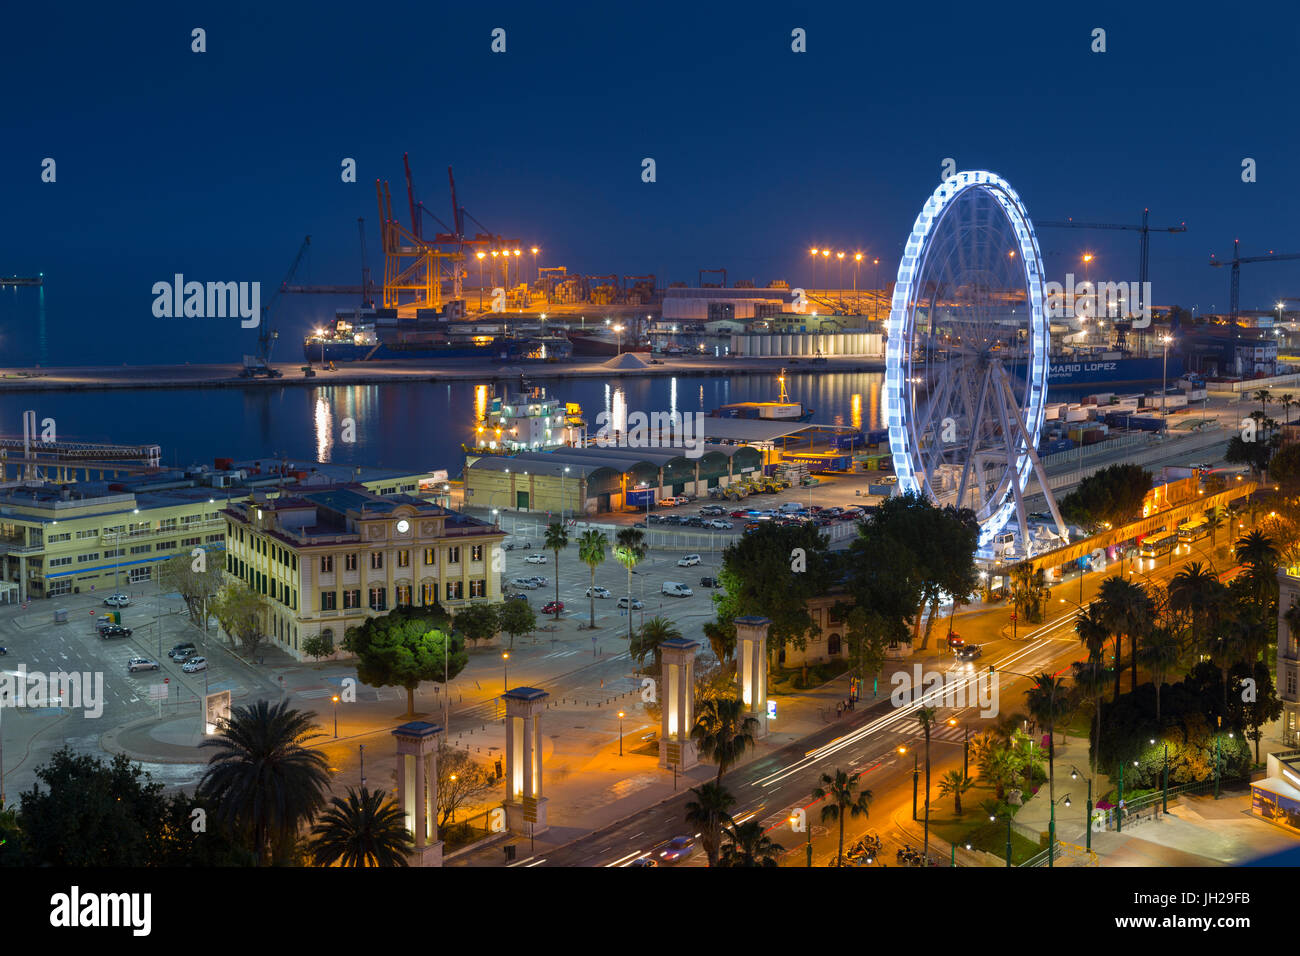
(1033, 458)
(1010, 419)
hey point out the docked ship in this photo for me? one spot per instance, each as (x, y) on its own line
(378, 335)
(1111, 367)
(782, 410)
(598, 340)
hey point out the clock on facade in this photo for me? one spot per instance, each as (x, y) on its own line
(403, 526)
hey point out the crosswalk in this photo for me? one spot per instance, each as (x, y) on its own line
(912, 728)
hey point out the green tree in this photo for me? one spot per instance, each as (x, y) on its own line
(405, 647)
(708, 813)
(1028, 592)
(557, 539)
(264, 781)
(843, 799)
(591, 551)
(1162, 649)
(1113, 494)
(1286, 400)
(478, 622)
(630, 550)
(953, 784)
(723, 732)
(1128, 610)
(462, 782)
(1048, 701)
(516, 618)
(1093, 629)
(868, 633)
(317, 646)
(648, 638)
(197, 578)
(749, 846)
(1195, 593)
(927, 717)
(1263, 396)
(241, 611)
(364, 830)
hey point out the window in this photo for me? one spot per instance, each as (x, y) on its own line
(87, 533)
(58, 538)
(476, 553)
(403, 558)
(349, 562)
(1290, 684)
(166, 545)
(114, 552)
(404, 596)
(191, 542)
(60, 562)
(351, 599)
(453, 555)
(139, 574)
(379, 599)
(215, 538)
(60, 587)
(141, 548)
(92, 556)
(429, 595)
(833, 645)
(326, 563)
(430, 556)
(478, 588)
(167, 524)
(376, 560)
(454, 591)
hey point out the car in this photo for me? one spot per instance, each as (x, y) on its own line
(538, 580)
(713, 511)
(517, 597)
(955, 640)
(553, 607)
(3, 651)
(671, 502)
(688, 561)
(643, 861)
(114, 630)
(675, 589)
(968, 652)
(194, 665)
(535, 559)
(526, 583)
(117, 600)
(597, 592)
(635, 604)
(186, 646)
(142, 664)
(677, 849)
(720, 524)
(181, 656)
(708, 582)
(740, 514)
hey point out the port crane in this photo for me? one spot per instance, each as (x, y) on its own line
(704, 272)
(366, 290)
(260, 364)
(1144, 246)
(1237, 261)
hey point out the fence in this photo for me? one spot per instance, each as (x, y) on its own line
(1250, 385)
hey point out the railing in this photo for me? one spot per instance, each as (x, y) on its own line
(1040, 858)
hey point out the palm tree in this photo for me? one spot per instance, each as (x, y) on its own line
(708, 813)
(651, 634)
(557, 539)
(591, 551)
(997, 766)
(1027, 586)
(1047, 701)
(1286, 400)
(953, 784)
(1090, 624)
(927, 717)
(1127, 609)
(263, 782)
(1258, 550)
(1263, 397)
(750, 846)
(842, 799)
(364, 830)
(1162, 649)
(1227, 645)
(630, 551)
(1216, 519)
(723, 732)
(1195, 591)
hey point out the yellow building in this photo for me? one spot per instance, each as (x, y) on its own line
(328, 559)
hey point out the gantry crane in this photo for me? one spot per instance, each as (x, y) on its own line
(1144, 246)
(1236, 262)
(260, 364)
(704, 272)
(366, 290)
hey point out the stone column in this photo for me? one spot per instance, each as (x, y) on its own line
(417, 788)
(525, 805)
(677, 697)
(751, 667)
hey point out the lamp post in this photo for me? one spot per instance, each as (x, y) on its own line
(916, 774)
(1051, 831)
(857, 303)
(807, 829)
(993, 818)
(1164, 785)
(1087, 822)
(536, 275)
(620, 733)
(840, 280)
(965, 746)
(875, 299)
(1164, 374)
(480, 255)
(505, 670)
(335, 698)
(363, 763)
(813, 253)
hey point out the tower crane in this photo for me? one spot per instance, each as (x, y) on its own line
(260, 364)
(1144, 246)
(1236, 262)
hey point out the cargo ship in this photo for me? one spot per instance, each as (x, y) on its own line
(782, 410)
(599, 340)
(1074, 369)
(378, 335)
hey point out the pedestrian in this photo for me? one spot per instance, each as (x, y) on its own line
(839, 710)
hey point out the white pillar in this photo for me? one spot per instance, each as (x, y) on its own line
(417, 788)
(525, 804)
(677, 695)
(751, 667)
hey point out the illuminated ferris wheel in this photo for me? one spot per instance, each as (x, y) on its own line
(967, 356)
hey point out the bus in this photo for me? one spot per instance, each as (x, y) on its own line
(1158, 544)
(1194, 530)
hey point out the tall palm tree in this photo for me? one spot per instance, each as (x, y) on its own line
(708, 813)
(363, 830)
(927, 716)
(1228, 644)
(1047, 701)
(1216, 519)
(1263, 396)
(557, 539)
(750, 846)
(1127, 609)
(723, 732)
(263, 781)
(1257, 549)
(1162, 649)
(843, 799)
(648, 638)
(1286, 400)
(630, 550)
(953, 784)
(1195, 591)
(1027, 587)
(591, 551)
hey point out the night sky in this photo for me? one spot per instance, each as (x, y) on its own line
(217, 164)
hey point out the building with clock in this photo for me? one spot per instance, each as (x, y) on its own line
(327, 559)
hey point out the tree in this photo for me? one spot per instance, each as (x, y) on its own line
(461, 781)
(241, 612)
(1263, 396)
(264, 782)
(953, 784)
(557, 539)
(364, 830)
(1128, 610)
(1195, 592)
(591, 551)
(927, 716)
(1047, 701)
(317, 646)
(198, 579)
(648, 638)
(406, 646)
(516, 618)
(868, 632)
(749, 846)
(479, 622)
(1094, 632)
(1113, 494)
(843, 799)
(1286, 400)
(1162, 649)
(1216, 519)
(630, 551)
(1028, 591)
(708, 813)
(91, 814)
(723, 732)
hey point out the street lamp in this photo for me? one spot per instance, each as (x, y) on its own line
(505, 670)
(1087, 822)
(993, 818)
(1164, 373)
(480, 255)
(335, 698)
(813, 253)
(875, 299)
(857, 303)
(620, 733)
(916, 776)
(965, 747)
(840, 281)
(619, 329)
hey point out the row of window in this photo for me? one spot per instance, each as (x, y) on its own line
(138, 527)
(263, 583)
(378, 596)
(403, 558)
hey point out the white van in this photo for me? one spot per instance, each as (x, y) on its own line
(792, 507)
(673, 589)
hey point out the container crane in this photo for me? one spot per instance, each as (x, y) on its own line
(260, 364)
(1144, 246)
(366, 290)
(705, 272)
(1237, 262)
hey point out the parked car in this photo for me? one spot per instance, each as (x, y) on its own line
(540, 581)
(675, 589)
(517, 597)
(186, 646)
(141, 664)
(117, 600)
(713, 510)
(677, 849)
(194, 665)
(968, 652)
(688, 561)
(708, 582)
(720, 524)
(635, 604)
(597, 592)
(670, 502)
(536, 559)
(114, 630)
(3, 651)
(553, 607)
(181, 656)
(740, 514)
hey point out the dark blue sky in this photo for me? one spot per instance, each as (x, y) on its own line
(216, 165)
